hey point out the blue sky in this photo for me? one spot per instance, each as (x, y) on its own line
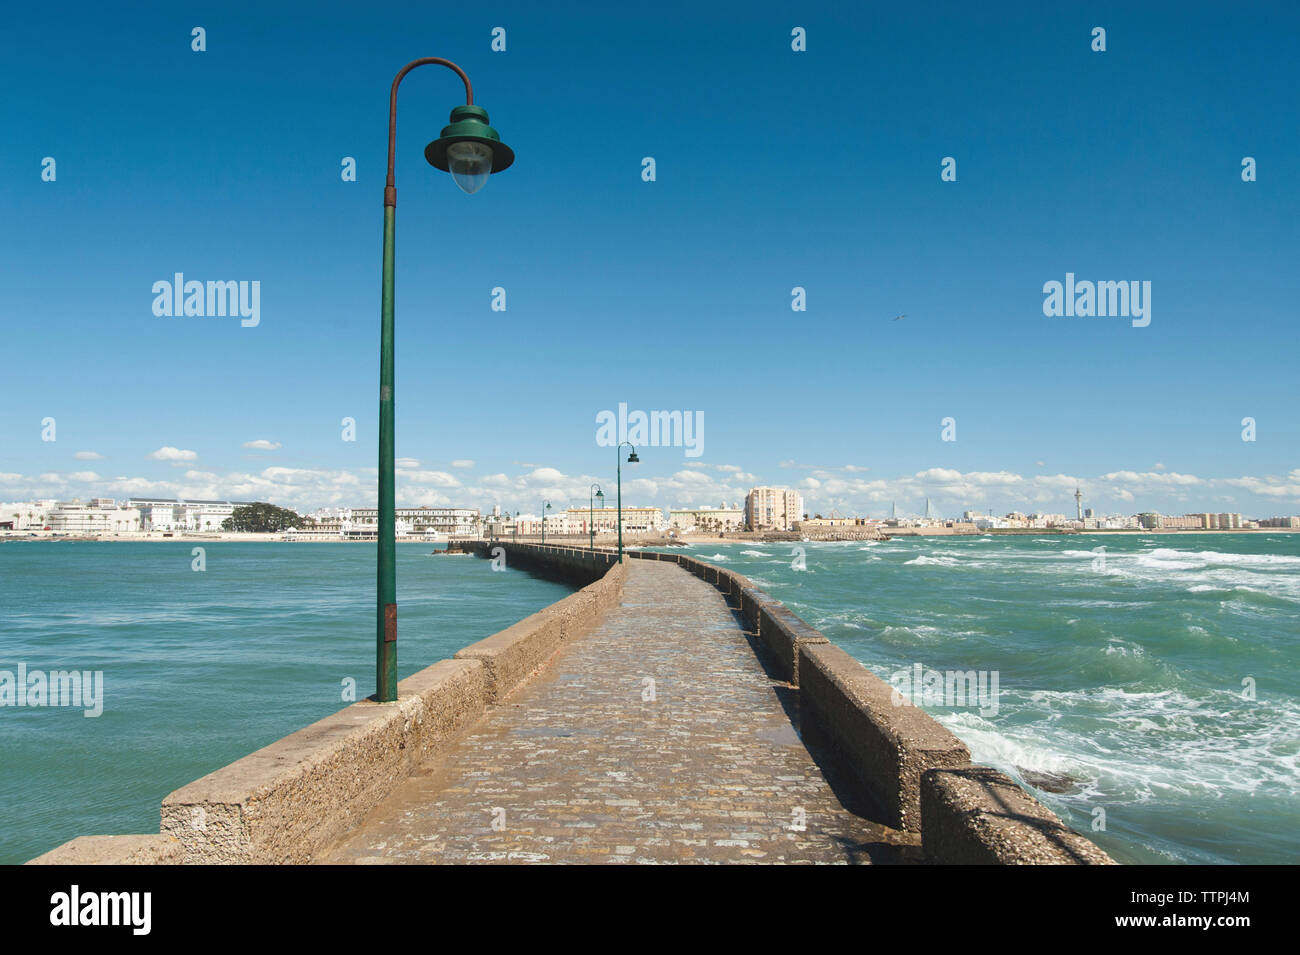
(774, 169)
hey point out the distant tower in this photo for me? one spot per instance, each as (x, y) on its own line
(1078, 503)
(928, 513)
(893, 514)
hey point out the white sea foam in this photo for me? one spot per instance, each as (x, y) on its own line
(1219, 557)
(755, 553)
(925, 561)
(1138, 746)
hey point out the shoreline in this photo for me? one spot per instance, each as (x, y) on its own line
(632, 542)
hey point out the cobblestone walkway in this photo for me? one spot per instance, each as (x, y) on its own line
(656, 738)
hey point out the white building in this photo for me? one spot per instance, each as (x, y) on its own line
(421, 521)
(26, 515)
(173, 514)
(95, 518)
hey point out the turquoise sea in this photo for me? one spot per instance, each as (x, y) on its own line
(1122, 683)
(201, 668)
(1124, 676)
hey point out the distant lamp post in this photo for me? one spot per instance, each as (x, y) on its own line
(618, 460)
(515, 527)
(591, 527)
(546, 507)
(470, 150)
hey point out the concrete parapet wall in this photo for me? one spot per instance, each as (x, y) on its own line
(575, 565)
(848, 711)
(288, 801)
(974, 815)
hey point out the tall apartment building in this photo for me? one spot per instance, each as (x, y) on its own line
(772, 508)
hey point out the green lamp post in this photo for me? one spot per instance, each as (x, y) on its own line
(471, 151)
(618, 462)
(591, 527)
(546, 506)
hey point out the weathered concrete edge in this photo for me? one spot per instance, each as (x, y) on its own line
(287, 802)
(915, 769)
(974, 815)
(156, 849)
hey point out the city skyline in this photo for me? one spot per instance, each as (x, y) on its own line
(925, 508)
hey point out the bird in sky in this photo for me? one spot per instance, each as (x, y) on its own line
(899, 318)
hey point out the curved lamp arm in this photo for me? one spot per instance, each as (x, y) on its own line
(390, 186)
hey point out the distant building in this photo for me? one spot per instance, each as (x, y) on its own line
(636, 520)
(421, 521)
(173, 514)
(1280, 522)
(706, 519)
(78, 518)
(25, 515)
(772, 508)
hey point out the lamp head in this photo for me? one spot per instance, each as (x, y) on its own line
(633, 459)
(469, 149)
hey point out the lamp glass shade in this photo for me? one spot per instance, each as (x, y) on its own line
(633, 459)
(470, 164)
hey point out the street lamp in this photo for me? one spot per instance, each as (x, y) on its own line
(470, 150)
(546, 508)
(591, 528)
(618, 461)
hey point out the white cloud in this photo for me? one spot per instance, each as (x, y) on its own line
(168, 453)
(88, 456)
(692, 477)
(462, 463)
(434, 478)
(261, 444)
(1164, 479)
(543, 477)
(408, 463)
(85, 476)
